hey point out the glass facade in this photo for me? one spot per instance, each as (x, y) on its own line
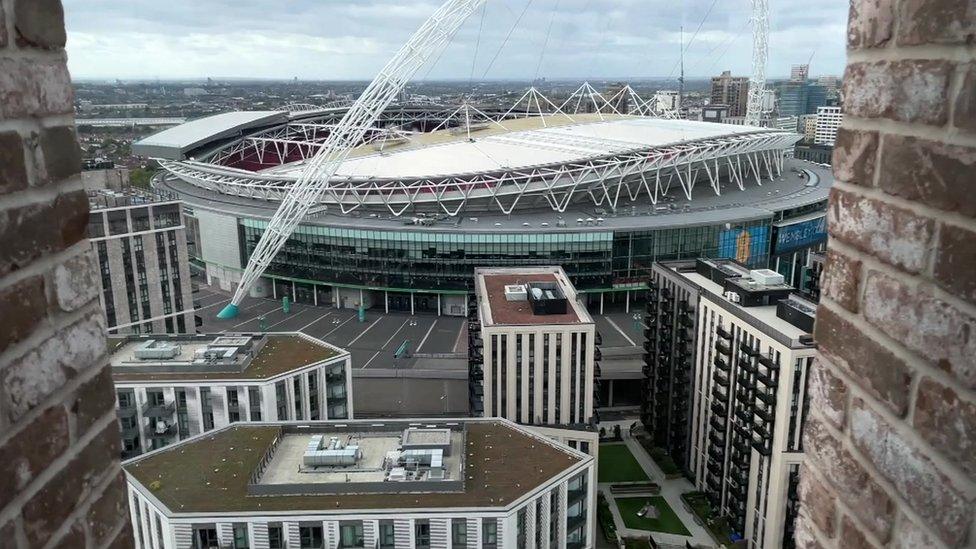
(444, 261)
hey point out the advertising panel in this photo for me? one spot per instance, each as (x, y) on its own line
(796, 236)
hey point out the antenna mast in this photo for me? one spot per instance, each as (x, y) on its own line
(681, 77)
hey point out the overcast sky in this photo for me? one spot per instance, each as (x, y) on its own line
(352, 39)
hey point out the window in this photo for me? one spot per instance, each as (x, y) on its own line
(489, 533)
(422, 534)
(351, 534)
(240, 536)
(125, 399)
(207, 538)
(459, 533)
(310, 537)
(387, 535)
(276, 537)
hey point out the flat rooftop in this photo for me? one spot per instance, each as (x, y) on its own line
(212, 473)
(271, 355)
(498, 310)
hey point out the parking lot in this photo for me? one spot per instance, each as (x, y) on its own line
(372, 343)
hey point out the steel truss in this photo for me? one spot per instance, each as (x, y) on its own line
(650, 172)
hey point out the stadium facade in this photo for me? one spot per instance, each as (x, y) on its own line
(433, 193)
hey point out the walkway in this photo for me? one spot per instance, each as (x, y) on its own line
(671, 490)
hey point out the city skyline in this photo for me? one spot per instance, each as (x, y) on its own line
(552, 39)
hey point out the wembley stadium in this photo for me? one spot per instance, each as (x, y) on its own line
(431, 193)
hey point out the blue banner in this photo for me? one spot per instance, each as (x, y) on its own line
(747, 246)
(790, 238)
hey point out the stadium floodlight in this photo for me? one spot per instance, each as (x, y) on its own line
(425, 45)
(760, 53)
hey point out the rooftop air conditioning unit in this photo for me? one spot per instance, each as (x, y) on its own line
(766, 277)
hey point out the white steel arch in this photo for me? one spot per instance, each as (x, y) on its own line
(425, 44)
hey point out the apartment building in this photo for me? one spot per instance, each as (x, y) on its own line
(829, 120)
(731, 348)
(406, 484)
(171, 388)
(140, 243)
(533, 348)
(731, 91)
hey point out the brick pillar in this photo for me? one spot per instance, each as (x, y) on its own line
(891, 440)
(60, 482)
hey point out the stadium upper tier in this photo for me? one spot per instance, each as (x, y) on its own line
(428, 159)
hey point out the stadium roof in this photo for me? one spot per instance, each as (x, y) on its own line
(174, 143)
(492, 150)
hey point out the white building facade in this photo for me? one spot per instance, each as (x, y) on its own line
(538, 366)
(829, 120)
(160, 402)
(554, 509)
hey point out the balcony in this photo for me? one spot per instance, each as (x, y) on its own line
(152, 410)
(717, 423)
(723, 349)
(768, 362)
(721, 379)
(573, 523)
(128, 411)
(768, 399)
(747, 350)
(722, 333)
(719, 396)
(719, 410)
(721, 365)
(160, 429)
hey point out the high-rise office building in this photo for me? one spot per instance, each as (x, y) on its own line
(533, 348)
(170, 388)
(731, 91)
(799, 73)
(728, 356)
(829, 120)
(442, 484)
(668, 100)
(140, 244)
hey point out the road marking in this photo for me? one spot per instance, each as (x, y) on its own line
(457, 342)
(286, 319)
(370, 360)
(251, 320)
(395, 333)
(424, 340)
(614, 324)
(259, 303)
(361, 334)
(339, 326)
(213, 305)
(302, 329)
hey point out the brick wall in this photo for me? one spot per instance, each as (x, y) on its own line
(891, 442)
(60, 482)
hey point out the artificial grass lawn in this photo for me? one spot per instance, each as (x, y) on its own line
(617, 464)
(668, 522)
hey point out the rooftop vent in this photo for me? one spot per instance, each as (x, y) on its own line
(766, 277)
(516, 292)
(156, 350)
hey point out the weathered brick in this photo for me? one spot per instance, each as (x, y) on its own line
(955, 261)
(965, 107)
(23, 305)
(13, 167)
(921, 483)
(866, 499)
(72, 211)
(52, 504)
(803, 536)
(93, 400)
(33, 88)
(908, 535)
(869, 23)
(934, 329)
(852, 535)
(74, 282)
(818, 503)
(39, 23)
(108, 512)
(929, 172)
(841, 279)
(31, 450)
(26, 233)
(62, 155)
(947, 422)
(936, 22)
(892, 234)
(911, 90)
(870, 363)
(29, 379)
(828, 393)
(855, 156)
